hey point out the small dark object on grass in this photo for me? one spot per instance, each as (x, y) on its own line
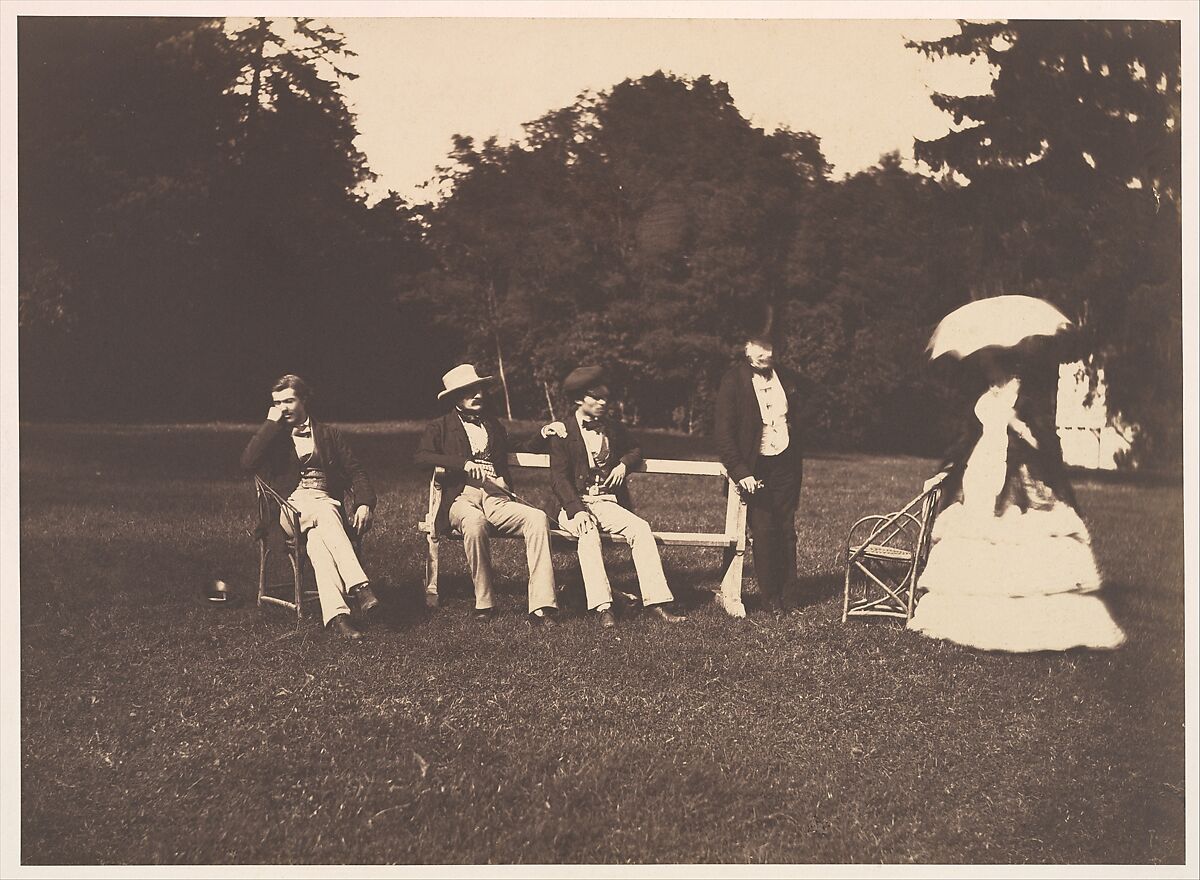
(217, 592)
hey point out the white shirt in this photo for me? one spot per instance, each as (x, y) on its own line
(773, 406)
(477, 436)
(591, 439)
(304, 445)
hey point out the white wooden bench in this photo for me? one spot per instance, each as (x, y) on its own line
(732, 540)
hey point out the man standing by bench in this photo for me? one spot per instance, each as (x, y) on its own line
(758, 441)
(587, 473)
(472, 446)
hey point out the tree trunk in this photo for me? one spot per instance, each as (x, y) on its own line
(257, 63)
(499, 350)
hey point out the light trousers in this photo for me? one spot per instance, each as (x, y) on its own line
(616, 520)
(334, 562)
(473, 511)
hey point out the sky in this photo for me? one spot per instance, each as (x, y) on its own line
(850, 82)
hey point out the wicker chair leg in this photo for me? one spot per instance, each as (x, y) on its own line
(912, 590)
(298, 582)
(263, 553)
(846, 595)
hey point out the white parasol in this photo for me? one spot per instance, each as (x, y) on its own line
(1001, 321)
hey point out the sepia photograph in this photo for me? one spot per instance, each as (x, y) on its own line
(599, 439)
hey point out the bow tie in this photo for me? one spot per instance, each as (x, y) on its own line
(764, 374)
(302, 431)
(471, 418)
(593, 425)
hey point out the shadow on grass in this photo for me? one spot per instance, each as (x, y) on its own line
(817, 588)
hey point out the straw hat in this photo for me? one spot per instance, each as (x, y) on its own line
(463, 378)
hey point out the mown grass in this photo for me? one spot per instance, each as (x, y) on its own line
(156, 729)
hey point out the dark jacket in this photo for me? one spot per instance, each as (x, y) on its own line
(272, 455)
(571, 469)
(445, 444)
(738, 424)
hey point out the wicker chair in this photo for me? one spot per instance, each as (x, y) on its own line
(885, 554)
(272, 538)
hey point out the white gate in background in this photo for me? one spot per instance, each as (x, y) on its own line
(1090, 439)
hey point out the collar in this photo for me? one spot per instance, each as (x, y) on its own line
(586, 423)
(303, 430)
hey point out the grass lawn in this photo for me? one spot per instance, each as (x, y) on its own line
(157, 729)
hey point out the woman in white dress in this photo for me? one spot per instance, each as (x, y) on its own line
(1011, 565)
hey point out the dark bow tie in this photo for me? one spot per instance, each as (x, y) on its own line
(766, 374)
(471, 418)
(302, 431)
(593, 425)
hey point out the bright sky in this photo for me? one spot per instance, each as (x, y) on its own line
(850, 82)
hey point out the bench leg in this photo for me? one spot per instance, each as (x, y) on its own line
(730, 596)
(431, 574)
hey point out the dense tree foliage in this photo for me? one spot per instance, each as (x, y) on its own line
(1074, 168)
(189, 224)
(192, 224)
(633, 228)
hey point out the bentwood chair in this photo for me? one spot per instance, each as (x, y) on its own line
(885, 554)
(288, 592)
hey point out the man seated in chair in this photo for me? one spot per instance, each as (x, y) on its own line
(472, 446)
(587, 472)
(311, 465)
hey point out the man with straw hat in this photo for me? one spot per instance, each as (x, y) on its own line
(472, 446)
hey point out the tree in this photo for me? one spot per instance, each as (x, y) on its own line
(190, 221)
(625, 229)
(1073, 164)
(120, 121)
(875, 262)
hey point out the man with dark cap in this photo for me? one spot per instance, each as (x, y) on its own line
(472, 445)
(758, 441)
(588, 468)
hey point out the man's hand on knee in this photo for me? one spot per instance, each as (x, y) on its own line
(583, 523)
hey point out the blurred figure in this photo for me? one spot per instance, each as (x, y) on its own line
(757, 435)
(1011, 565)
(312, 466)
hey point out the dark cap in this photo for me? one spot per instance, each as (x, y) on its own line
(584, 379)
